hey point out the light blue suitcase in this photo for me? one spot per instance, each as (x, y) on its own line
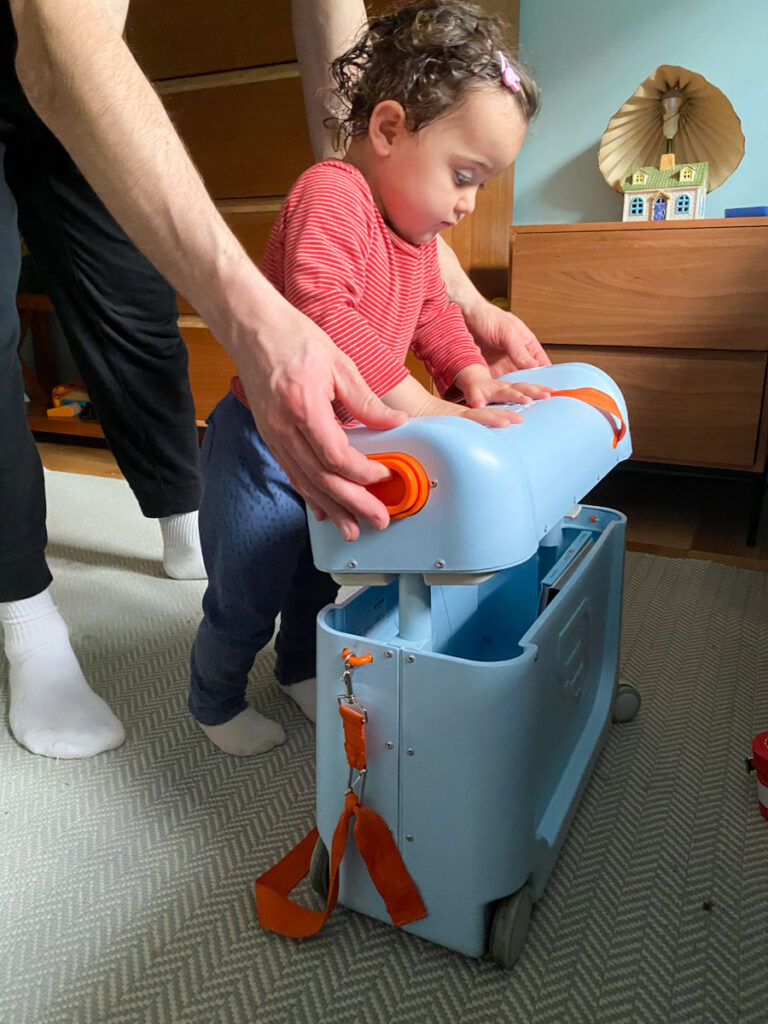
(492, 615)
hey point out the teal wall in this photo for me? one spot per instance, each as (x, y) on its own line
(589, 56)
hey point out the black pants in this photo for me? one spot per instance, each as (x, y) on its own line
(120, 319)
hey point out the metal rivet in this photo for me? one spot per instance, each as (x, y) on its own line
(352, 563)
(389, 745)
(439, 564)
(410, 658)
(409, 751)
(387, 654)
(409, 838)
(433, 483)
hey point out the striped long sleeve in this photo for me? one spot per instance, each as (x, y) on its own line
(332, 256)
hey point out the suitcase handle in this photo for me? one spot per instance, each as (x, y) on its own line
(601, 401)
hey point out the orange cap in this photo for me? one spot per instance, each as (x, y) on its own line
(406, 490)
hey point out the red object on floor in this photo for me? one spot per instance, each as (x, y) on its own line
(760, 758)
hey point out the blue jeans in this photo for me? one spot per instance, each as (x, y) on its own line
(255, 540)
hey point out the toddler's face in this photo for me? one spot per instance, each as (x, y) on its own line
(431, 179)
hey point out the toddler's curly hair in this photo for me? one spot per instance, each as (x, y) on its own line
(425, 56)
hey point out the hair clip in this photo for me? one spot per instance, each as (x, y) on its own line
(509, 76)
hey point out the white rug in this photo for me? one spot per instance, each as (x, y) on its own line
(126, 881)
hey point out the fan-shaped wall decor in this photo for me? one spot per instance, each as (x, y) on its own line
(673, 110)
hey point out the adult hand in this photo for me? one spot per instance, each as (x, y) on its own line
(505, 341)
(290, 378)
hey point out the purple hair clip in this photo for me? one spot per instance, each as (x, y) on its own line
(509, 76)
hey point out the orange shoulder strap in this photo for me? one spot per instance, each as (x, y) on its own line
(374, 841)
(382, 858)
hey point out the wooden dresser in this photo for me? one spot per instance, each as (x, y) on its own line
(676, 313)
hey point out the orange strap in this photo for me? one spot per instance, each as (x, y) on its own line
(600, 400)
(354, 736)
(375, 843)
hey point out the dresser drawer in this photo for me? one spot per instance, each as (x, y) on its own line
(689, 408)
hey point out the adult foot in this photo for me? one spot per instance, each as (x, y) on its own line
(53, 710)
(182, 556)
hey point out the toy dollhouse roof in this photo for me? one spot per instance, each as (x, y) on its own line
(665, 179)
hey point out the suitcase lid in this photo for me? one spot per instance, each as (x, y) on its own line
(466, 498)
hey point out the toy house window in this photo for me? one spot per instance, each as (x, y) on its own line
(637, 206)
(638, 178)
(686, 174)
(683, 204)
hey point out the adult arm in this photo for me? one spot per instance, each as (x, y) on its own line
(82, 80)
(323, 29)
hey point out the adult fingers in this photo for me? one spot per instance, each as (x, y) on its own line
(360, 401)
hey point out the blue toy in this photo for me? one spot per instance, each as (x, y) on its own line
(480, 660)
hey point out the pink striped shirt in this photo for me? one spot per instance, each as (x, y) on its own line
(376, 295)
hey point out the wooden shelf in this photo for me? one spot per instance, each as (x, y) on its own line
(38, 421)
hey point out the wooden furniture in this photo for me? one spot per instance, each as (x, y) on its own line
(676, 313)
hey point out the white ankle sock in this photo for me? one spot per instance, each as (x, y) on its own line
(54, 712)
(245, 734)
(305, 695)
(182, 557)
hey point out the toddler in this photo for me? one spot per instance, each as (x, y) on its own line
(433, 106)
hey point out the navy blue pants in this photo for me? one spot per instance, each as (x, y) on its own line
(255, 540)
(120, 319)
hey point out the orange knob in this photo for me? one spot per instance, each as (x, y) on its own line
(406, 489)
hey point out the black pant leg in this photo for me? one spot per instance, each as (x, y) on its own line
(23, 570)
(120, 319)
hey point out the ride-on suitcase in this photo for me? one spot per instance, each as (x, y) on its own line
(480, 658)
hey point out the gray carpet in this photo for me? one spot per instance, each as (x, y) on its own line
(126, 880)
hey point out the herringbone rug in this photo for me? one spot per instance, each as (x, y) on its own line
(126, 880)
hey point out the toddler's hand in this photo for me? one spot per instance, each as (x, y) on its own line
(491, 415)
(481, 389)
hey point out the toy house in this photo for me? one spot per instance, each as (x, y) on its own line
(668, 192)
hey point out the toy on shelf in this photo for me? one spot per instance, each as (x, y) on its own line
(478, 671)
(69, 400)
(677, 113)
(668, 192)
(747, 211)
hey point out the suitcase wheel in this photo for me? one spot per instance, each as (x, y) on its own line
(626, 703)
(509, 928)
(320, 869)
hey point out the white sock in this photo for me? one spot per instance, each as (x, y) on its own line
(54, 712)
(182, 557)
(305, 695)
(246, 734)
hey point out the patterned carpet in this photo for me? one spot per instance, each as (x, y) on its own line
(126, 880)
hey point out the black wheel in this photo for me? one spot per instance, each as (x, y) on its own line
(509, 928)
(320, 869)
(626, 703)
